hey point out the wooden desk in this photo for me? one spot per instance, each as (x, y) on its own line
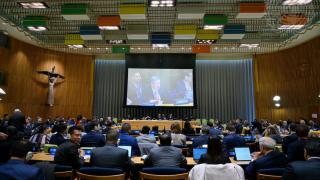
(138, 124)
(41, 156)
(187, 143)
(139, 161)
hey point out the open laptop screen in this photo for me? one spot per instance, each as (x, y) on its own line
(87, 151)
(242, 154)
(197, 152)
(126, 148)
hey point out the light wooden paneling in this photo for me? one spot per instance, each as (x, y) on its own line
(27, 89)
(294, 74)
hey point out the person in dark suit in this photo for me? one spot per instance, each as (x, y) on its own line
(232, 140)
(145, 136)
(58, 138)
(92, 138)
(213, 131)
(295, 151)
(165, 155)
(68, 152)
(266, 158)
(305, 170)
(127, 140)
(289, 139)
(215, 153)
(183, 92)
(17, 119)
(203, 139)
(16, 168)
(110, 156)
(135, 94)
(153, 93)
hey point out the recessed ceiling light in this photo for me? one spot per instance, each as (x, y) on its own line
(160, 45)
(37, 28)
(206, 41)
(213, 27)
(120, 41)
(76, 46)
(249, 46)
(139, 48)
(161, 3)
(109, 27)
(33, 5)
(296, 2)
(291, 27)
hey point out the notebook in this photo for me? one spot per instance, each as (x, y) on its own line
(197, 152)
(242, 154)
(126, 148)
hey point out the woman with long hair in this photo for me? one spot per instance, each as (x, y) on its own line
(215, 153)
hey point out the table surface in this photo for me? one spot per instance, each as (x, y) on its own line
(41, 156)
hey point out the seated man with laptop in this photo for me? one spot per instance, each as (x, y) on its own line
(165, 155)
(266, 158)
(111, 156)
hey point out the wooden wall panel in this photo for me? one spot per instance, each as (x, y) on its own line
(294, 74)
(28, 90)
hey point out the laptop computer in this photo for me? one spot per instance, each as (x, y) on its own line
(87, 151)
(242, 154)
(52, 150)
(197, 153)
(249, 138)
(126, 148)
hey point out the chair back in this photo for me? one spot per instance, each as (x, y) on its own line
(100, 173)
(268, 177)
(145, 148)
(63, 172)
(218, 171)
(272, 171)
(164, 173)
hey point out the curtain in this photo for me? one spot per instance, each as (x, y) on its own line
(224, 90)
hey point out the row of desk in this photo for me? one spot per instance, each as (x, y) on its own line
(41, 156)
(162, 124)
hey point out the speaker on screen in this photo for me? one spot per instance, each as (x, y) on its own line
(161, 80)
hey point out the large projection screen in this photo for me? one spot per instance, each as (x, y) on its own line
(160, 87)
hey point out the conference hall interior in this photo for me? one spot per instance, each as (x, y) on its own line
(160, 89)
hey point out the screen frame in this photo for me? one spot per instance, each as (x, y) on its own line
(155, 107)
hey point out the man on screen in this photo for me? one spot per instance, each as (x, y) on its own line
(183, 93)
(153, 95)
(135, 90)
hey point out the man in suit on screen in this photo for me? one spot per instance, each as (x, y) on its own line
(154, 96)
(135, 90)
(183, 92)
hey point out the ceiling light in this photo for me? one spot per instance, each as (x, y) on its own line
(213, 27)
(37, 28)
(249, 45)
(119, 41)
(291, 27)
(33, 5)
(109, 27)
(76, 46)
(160, 45)
(206, 41)
(161, 3)
(2, 91)
(276, 98)
(277, 105)
(295, 2)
